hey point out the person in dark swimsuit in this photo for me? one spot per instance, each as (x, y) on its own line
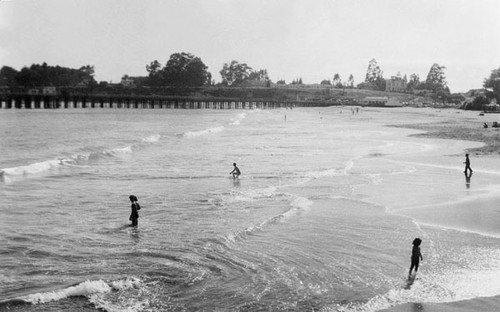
(467, 164)
(236, 171)
(416, 256)
(134, 215)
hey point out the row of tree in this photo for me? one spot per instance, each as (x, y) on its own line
(435, 81)
(44, 75)
(187, 70)
(338, 83)
(490, 93)
(181, 70)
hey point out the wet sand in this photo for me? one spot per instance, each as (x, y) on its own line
(463, 126)
(460, 125)
(475, 305)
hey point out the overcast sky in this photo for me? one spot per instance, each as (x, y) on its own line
(311, 39)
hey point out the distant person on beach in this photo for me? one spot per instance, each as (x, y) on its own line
(134, 215)
(467, 164)
(236, 171)
(416, 256)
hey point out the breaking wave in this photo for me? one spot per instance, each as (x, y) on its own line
(93, 290)
(152, 139)
(52, 165)
(198, 133)
(193, 134)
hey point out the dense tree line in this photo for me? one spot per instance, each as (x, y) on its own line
(236, 74)
(185, 72)
(181, 70)
(374, 77)
(435, 82)
(44, 75)
(338, 83)
(493, 84)
(490, 93)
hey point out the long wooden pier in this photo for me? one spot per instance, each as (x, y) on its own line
(55, 101)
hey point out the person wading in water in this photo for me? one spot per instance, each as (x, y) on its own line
(236, 171)
(134, 215)
(416, 256)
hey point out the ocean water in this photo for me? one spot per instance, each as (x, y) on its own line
(322, 218)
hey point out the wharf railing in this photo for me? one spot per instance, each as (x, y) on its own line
(58, 101)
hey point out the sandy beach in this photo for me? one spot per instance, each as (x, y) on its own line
(462, 126)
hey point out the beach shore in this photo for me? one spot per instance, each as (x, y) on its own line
(464, 126)
(474, 305)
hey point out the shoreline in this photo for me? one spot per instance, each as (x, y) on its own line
(453, 124)
(461, 125)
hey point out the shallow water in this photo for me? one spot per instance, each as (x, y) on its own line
(322, 217)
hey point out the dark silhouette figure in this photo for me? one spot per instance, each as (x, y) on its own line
(467, 179)
(467, 164)
(416, 256)
(236, 171)
(134, 215)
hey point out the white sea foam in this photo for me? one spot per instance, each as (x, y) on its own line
(298, 204)
(249, 195)
(324, 173)
(193, 134)
(234, 122)
(44, 166)
(482, 280)
(119, 151)
(332, 172)
(32, 168)
(152, 139)
(237, 120)
(85, 289)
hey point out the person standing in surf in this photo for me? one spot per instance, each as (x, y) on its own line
(236, 171)
(416, 256)
(134, 215)
(467, 164)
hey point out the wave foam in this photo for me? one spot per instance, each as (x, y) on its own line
(297, 203)
(33, 168)
(237, 120)
(152, 139)
(193, 134)
(441, 287)
(86, 289)
(45, 166)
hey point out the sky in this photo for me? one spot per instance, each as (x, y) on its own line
(291, 39)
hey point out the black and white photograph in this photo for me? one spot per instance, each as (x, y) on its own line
(250, 155)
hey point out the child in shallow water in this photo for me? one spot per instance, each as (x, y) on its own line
(416, 256)
(134, 215)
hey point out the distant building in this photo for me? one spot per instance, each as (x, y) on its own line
(300, 86)
(132, 82)
(84, 83)
(49, 90)
(381, 101)
(375, 101)
(44, 90)
(395, 84)
(34, 91)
